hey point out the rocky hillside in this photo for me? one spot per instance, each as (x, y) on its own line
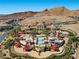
(60, 14)
(11, 17)
(55, 11)
(18, 15)
(59, 11)
(32, 21)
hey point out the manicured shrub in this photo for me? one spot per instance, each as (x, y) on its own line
(7, 58)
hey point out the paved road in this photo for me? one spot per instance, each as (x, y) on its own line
(2, 37)
(77, 53)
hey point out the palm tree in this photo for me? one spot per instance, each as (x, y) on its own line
(74, 40)
(73, 37)
(33, 33)
(46, 32)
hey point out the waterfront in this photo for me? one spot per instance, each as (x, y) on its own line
(3, 36)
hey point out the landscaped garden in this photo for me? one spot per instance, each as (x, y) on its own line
(56, 44)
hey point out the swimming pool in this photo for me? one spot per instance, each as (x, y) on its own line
(59, 42)
(40, 40)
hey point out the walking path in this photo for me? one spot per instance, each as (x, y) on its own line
(33, 53)
(77, 53)
(74, 27)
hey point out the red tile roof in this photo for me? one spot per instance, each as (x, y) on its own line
(26, 48)
(55, 48)
(17, 44)
(25, 32)
(18, 35)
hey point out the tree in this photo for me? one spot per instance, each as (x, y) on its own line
(55, 57)
(8, 44)
(46, 32)
(34, 32)
(75, 41)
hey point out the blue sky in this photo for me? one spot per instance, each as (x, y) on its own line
(12, 6)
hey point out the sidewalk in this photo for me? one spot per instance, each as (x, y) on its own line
(77, 53)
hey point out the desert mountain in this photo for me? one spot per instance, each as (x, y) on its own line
(11, 17)
(61, 11)
(18, 15)
(76, 12)
(60, 14)
(30, 16)
(55, 11)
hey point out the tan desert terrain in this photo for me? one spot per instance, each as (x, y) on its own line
(74, 27)
(47, 19)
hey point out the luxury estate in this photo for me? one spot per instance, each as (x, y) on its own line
(45, 35)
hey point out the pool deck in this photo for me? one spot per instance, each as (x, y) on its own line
(35, 54)
(43, 54)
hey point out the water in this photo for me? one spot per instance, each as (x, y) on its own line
(2, 37)
(40, 40)
(58, 42)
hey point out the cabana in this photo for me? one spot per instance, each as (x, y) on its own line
(54, 48)
(25, 33)
(18, 35)
(17, 45)
(57, 36)
(21, 38)
(23, 42)
(26, 48)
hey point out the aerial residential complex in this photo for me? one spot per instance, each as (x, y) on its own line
(39, 29)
